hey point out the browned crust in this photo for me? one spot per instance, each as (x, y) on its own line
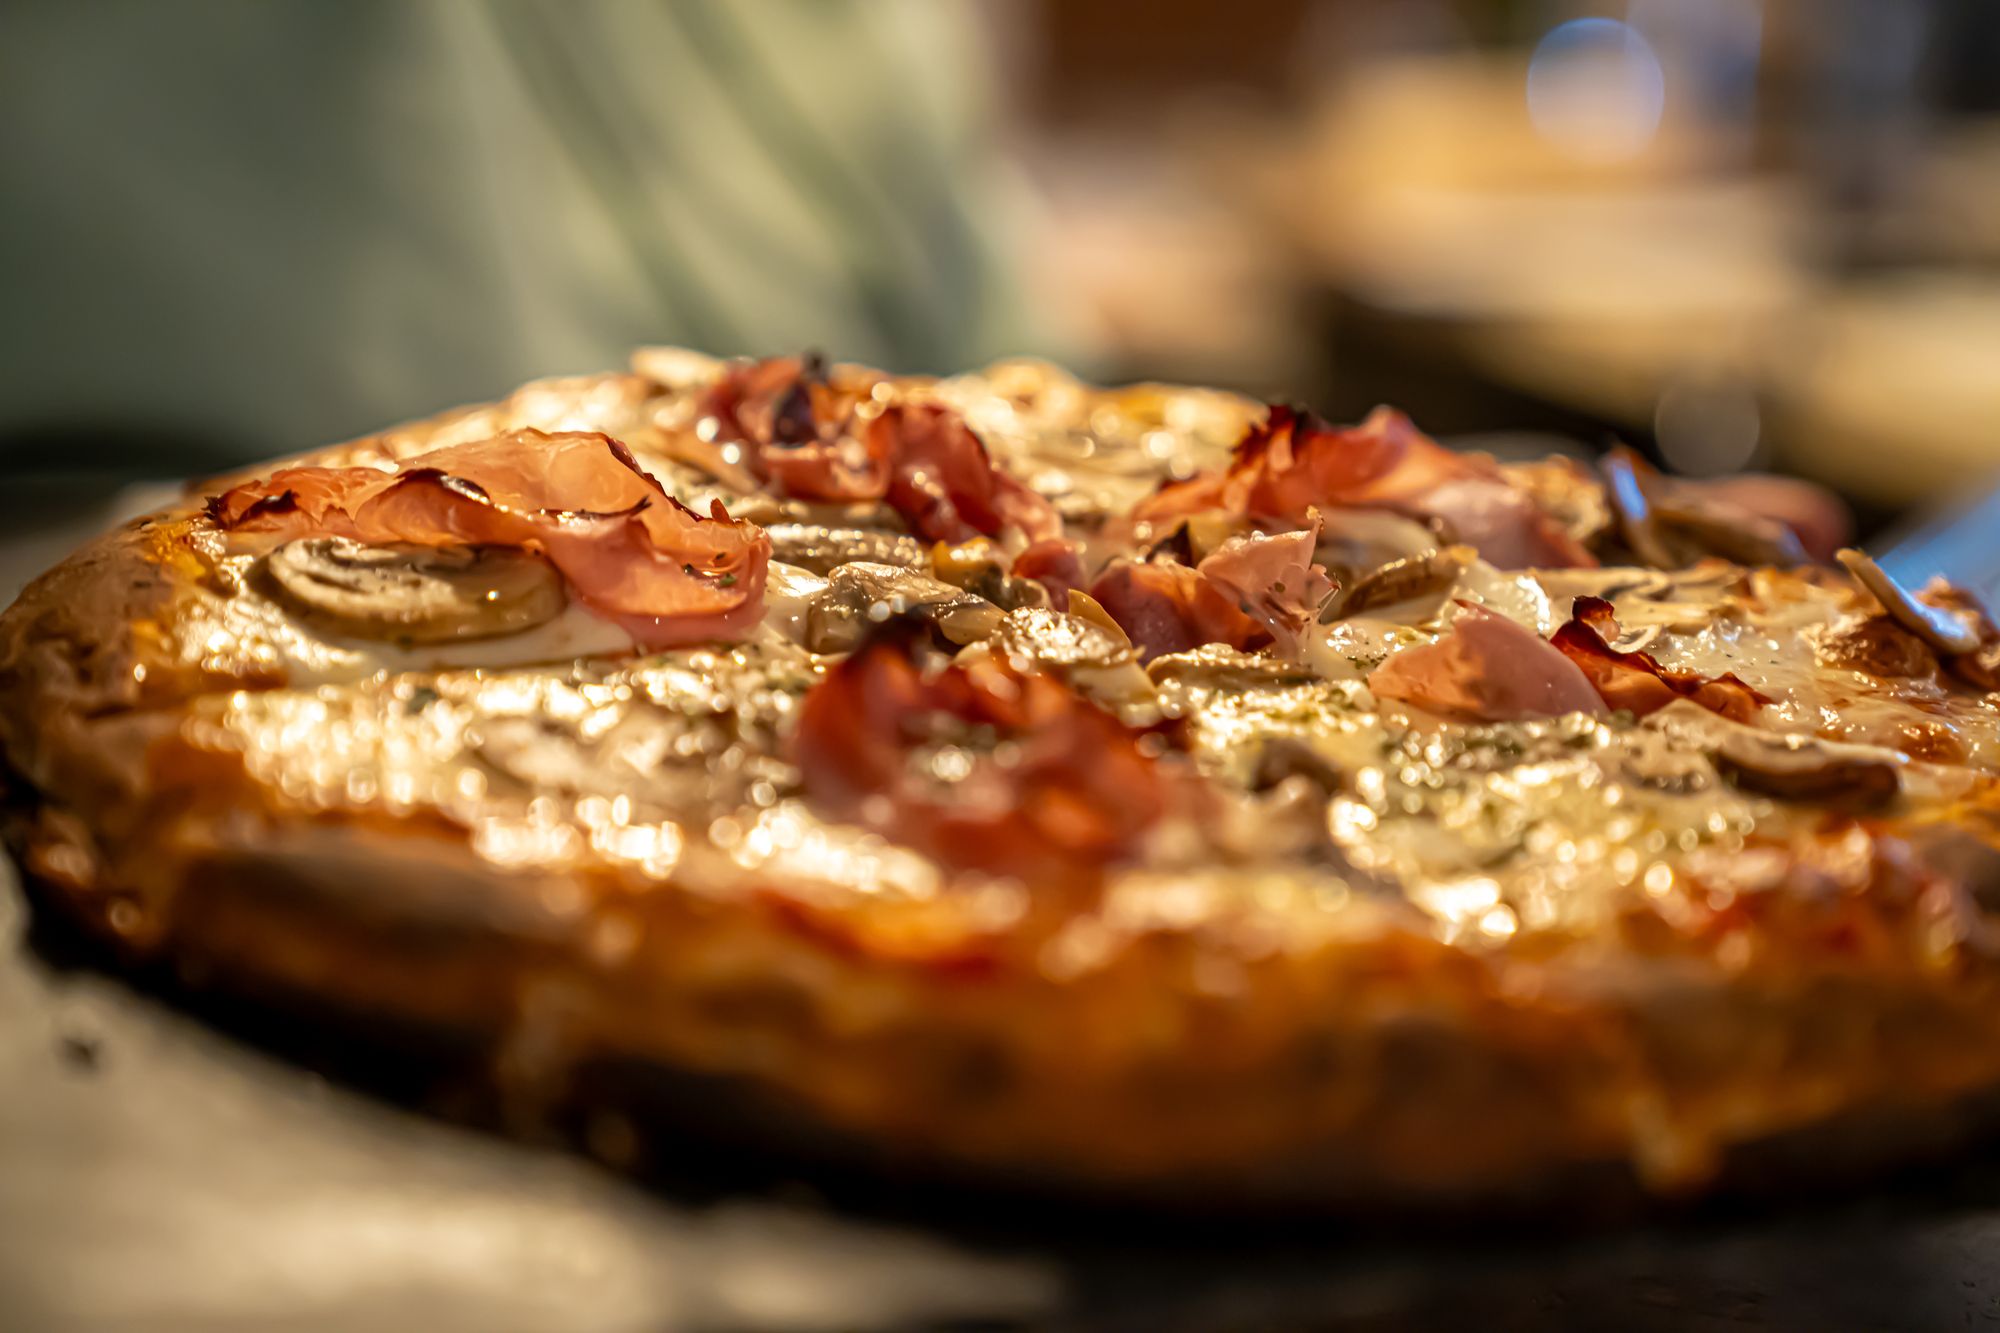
(1422, 1082)
(244, 927)
(1422, 1078)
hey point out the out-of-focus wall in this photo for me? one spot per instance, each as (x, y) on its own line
(249, 225)
(1739, 232)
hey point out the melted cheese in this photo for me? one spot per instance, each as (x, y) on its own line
(788, 596)
(1544, 824)
(311, 658)
(1476, 832)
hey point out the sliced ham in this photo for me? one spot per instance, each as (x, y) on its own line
(1072, 791)
(1814, 514)
(1294, 462)
(944, 483)
(1486, 668)
(634, 554)
(1501, 522)
(1252, 591)
(1635, 680)
(1273, 580)
(795, 419)
(1055, 564)
(1165, 607)
(813, 434)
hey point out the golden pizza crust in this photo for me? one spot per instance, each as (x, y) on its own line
(606, 862)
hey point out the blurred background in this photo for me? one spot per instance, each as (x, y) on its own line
(1740, 233)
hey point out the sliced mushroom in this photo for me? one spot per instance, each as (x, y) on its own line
(419, 594)
(1353, 541)
(1098, 662)
(1083, 605)
(861, 595)
(1791, 767)
(1737, 535)
(822, 550)
(1177, 547)
(1803, 768)
(1192, 539)
(981, 568)
(1625, 475)
(767, 510)
(1613, 583)
(1670, 524)
(1650, 603)
(1431, 575)
(1048, 638)
(1980, 667)
(1950, 632)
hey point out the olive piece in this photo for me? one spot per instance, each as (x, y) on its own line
(417, 594)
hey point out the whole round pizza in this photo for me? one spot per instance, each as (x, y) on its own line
(1140, 791)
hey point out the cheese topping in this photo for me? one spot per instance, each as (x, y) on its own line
(1334, 808)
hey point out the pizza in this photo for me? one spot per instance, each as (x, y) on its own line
(1143, 792)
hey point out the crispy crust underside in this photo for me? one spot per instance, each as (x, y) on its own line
(490, 1004)
(1418, 1083)
(1434, 1095)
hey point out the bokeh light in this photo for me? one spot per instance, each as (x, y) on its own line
(1596, 89)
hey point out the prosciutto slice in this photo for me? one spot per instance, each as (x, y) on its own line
(1293, 462)
(633, 553)
(796, 421)
(1487, 668)
(1055, 564)
(1636, 680)
(1256, 589)
(1165, 607)
(807, 436)
(944, 483)
(910, 756)
(1273, 580)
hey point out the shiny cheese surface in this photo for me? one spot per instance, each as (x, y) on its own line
(558, 748)
(1455, 952)
(676, 766)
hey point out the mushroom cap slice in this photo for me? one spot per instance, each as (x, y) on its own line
(1877, 645)
(1788, 766)
(1669, 523)
(1434, 575)
(823, 550)
(981, 567)
(1947, 631)
(862, 594)
(1625, 477)
(415, 594)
